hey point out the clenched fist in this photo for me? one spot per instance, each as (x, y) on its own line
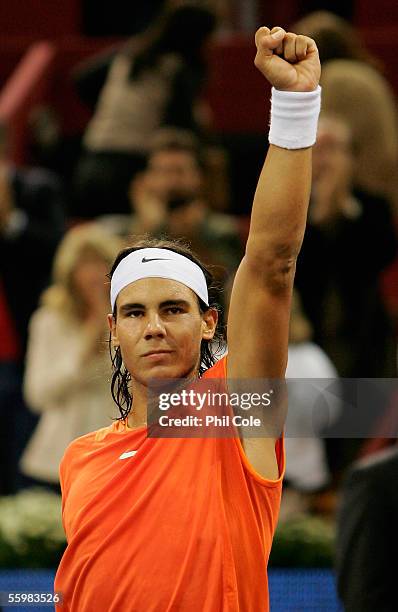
(290, 62)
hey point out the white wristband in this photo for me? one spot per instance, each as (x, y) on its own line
(294, 118)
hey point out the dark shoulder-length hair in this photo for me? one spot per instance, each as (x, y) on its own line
(335, 37)
(181, 29)
(209, 349)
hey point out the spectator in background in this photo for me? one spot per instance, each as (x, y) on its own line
(349, 240)
(31, 225)
(367, 538)
(155, 79)
(354, 88)
(309, 373)
(67, 369)
(306, 462)
(48, 146)
(171, 197)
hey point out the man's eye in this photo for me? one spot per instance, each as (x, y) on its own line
(135, 313)
(174, 310)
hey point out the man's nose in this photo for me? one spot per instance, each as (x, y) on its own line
(154, 326)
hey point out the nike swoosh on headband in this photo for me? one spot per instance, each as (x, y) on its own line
(146, 259)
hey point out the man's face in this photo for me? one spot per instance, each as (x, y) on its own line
(331, 152)
(159, 329)
(172, 172)
(88, 278)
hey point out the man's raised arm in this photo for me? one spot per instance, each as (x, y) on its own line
(258, 320)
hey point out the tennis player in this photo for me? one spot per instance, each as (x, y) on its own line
(177, 524)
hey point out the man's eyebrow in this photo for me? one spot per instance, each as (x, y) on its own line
(174, 303)
(165, 304)
(131, 306)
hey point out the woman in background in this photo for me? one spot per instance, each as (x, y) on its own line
(155, 79)
(67, 370)
(355, 89)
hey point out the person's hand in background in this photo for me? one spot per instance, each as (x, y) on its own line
(332, 172)
(150, 210)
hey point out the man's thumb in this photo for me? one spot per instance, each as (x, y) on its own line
(274, 40)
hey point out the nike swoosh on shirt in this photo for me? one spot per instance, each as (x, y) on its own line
(127, 454)
(146, 259)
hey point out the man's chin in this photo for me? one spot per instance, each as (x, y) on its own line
(164, 372)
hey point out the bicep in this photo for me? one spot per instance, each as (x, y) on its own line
(258, 323)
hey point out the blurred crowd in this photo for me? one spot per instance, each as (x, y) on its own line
(150, 163)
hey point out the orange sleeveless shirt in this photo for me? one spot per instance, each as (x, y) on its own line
(163, 524)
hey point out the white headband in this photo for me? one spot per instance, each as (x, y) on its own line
(158, 263)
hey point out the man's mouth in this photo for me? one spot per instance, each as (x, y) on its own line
(154, 353)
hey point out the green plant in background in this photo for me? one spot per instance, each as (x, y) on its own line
(31, 532)
(304, 541)
(32, 536)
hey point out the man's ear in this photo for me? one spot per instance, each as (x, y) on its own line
(209, 323)
(112, 328)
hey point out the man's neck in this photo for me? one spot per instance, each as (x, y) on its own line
(138, 415)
